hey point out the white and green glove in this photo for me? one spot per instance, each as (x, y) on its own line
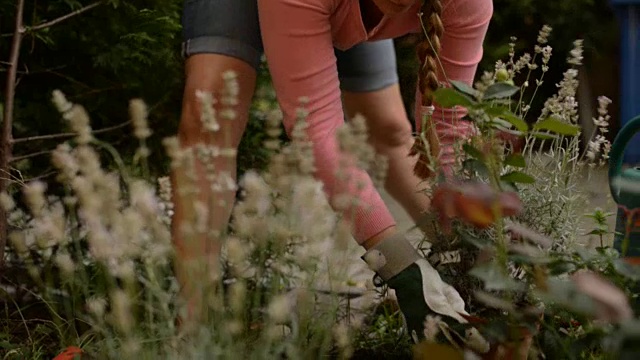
(419, 289)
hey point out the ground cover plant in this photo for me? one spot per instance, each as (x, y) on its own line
(92, 255)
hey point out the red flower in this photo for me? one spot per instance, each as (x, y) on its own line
(475, 203)
(70, 353)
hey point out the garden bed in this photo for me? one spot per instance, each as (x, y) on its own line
(90, 265)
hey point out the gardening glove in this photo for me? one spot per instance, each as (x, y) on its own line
(419, 289)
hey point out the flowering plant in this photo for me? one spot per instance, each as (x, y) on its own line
(507, 222)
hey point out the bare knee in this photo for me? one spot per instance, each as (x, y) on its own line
(219, 131)
(385, 115)
(192, 129)
(204, 73)
(391, 133)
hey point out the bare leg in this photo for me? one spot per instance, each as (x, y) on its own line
(204, 72)
(390, 134)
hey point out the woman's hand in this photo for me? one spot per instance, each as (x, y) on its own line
(394, 7)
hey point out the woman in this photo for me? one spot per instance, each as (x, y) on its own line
(299, 37)
(221, 35)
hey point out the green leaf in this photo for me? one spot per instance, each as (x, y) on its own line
(493, 301)
(448, 98)
(515, 160)
(529, 260)
(518, 177)
(628, 270)
(493, 109)
(597, 232)
(555, 125)
(515, 120)
(631, 330)
(477, 166)
(465, 89)
(560, 267)
(543, 136)
(500, 112)
(473, 151)
(561, 292)
(494, 277)
(477, 241)
(500, 124)
(509, 186)
(500, 90)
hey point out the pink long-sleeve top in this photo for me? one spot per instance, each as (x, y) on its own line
(299, 37)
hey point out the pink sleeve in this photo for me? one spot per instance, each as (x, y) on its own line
(466, 23)
(297, 37)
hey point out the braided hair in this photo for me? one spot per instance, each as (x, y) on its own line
(427, 50)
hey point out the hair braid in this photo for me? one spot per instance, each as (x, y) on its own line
(427, 50)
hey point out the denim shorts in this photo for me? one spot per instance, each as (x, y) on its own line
(231, 28)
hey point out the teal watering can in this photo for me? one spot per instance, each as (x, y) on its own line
(625, 189)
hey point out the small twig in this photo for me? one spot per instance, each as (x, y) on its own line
(29, 156)
(12, 177)
(11, 181)
(28, 72)
(67, 135)
(41, 177)
(64, 17)
(44, 137)
(56, 20)
(70, 79)
(96, 91)
(24, 321)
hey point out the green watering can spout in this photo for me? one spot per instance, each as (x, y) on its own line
(624, 185)
(625, 190)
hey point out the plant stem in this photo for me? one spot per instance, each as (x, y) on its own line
(501, 243)
(64, 17)
(535, 92)
(7, 124)
(601, 242)
(67, 135)
(524, 88)
(9, 100)
(126, 177)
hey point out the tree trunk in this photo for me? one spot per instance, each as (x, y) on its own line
(7, 123)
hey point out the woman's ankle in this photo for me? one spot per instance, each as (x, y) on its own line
(391, 255)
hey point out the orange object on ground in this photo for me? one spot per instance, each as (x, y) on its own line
(632, 260)
(70, 353)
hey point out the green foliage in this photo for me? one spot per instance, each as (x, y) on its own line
(102, 58)
(103, 271)
(591, 20)
(557, 126)
(525, 270)
(601, 226)
(126, 49)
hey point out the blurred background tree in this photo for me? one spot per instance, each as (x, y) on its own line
(131, 48)
(100, 59)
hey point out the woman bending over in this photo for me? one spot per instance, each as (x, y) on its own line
(299, 37)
